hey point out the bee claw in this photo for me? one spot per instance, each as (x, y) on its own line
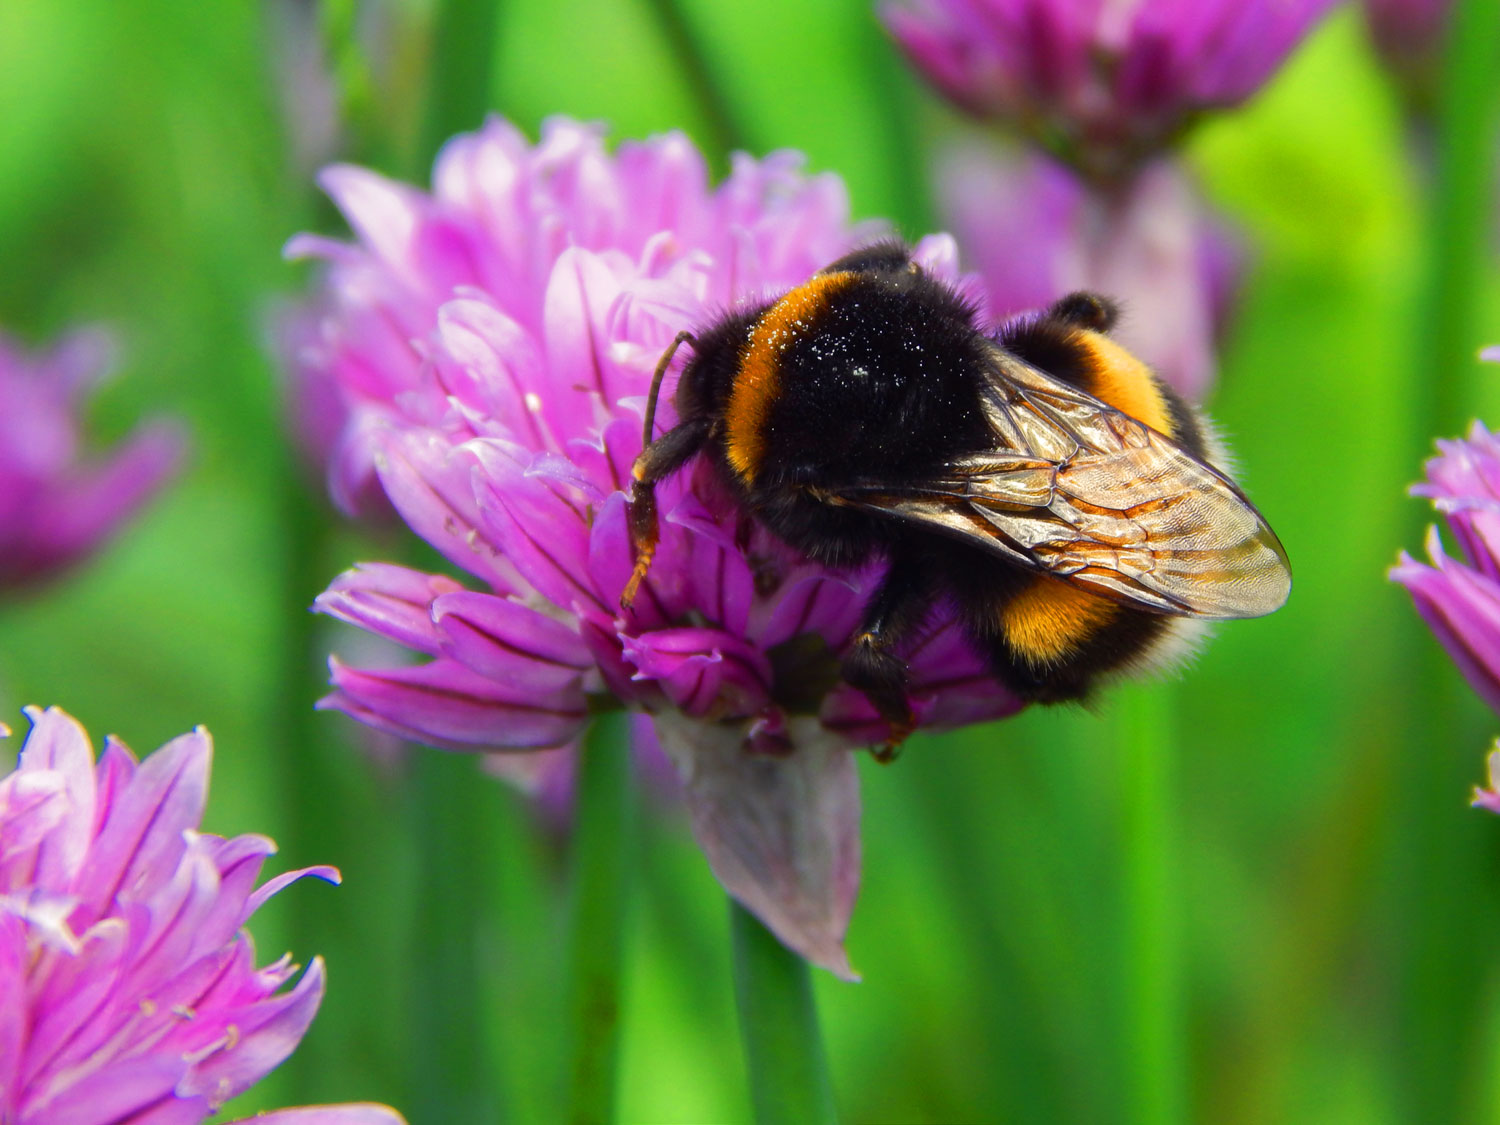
(901, 728)
(637, 576)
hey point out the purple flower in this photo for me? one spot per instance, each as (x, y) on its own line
(1408, 36)
(1460, 598)
(1035, 232)
(1103, 84)
(128, 990)
(492, 344)
(55, 507)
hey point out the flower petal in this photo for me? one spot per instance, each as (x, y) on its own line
(391, 601)
(445, 704)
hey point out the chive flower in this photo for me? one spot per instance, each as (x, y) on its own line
(489, 346)
(1104, 85)
(129, 993)
(58, 506)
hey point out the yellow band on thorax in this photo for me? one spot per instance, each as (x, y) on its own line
(758, 380)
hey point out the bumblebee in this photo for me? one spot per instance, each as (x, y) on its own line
(1042, 479)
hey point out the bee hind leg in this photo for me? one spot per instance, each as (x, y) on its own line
(657, 461)
(895, 612)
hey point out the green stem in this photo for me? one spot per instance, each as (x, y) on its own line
(1459, 217)
(892, 89)
(452, 1077)
(602, 865)
(727, 131)
(1156, 1060)
(316, 806)
(459, 73)
(1436, 850)
(367, 137)
(453, 1080)
(779, 1026)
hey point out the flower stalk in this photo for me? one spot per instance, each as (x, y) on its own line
(602, 861)
(789, 1082)
(1156, 1060)
(1460, 206)
(1439, 854)
(452, 1077)
(459, 72)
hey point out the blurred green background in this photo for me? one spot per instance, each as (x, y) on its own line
(1322, 935)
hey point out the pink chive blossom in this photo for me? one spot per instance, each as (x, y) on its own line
(1459, 598)
(1034, 232)
(128, 988)
(490, 344)
(1101, 83)
(56, 506)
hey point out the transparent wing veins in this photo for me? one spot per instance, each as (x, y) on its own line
(1079, 490)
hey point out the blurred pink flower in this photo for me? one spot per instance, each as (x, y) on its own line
(55, 507)
(128, 990)
(1460, 598)
(491, 345)
(1035, 232)
(1104, 84)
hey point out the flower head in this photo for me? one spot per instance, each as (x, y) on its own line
(55, 507)
(1035, 232)
(1460, 598)
(128, 990)
(1102, 83)
(493, 343)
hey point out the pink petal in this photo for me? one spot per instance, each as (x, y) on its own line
(444, 704)
(267, 1035)
(287, 878)
(139, 844)
(391, 601)
(110, 1094)
(430, 483)
(509, 641)
(58, 742)
(706, 673)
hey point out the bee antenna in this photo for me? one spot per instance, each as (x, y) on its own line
(661, 370)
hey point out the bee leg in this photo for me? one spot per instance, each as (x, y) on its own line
(1087, 310)
(895, 611)
(660, 459)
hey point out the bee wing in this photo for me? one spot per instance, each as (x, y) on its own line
(1076, 489)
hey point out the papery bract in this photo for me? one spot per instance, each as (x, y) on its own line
(128, 988)
(491, 345)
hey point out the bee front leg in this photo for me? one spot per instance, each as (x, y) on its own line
(658, 460)
(895, 611)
